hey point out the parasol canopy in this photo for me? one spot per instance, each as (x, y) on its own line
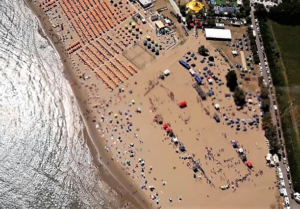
(168, 129)
(194, 6)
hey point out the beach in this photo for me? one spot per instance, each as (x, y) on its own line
(144, 164)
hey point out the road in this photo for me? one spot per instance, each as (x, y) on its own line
(275, 118)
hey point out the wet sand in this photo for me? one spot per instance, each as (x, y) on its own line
(137, 150)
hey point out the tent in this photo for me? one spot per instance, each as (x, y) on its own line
(194, 6)
(165, 125)
(234, 144)
(182, 104)
(175, 140)
(167, 72)
(217, 106)
(249, 164)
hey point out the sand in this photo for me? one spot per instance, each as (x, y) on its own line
(107, 113)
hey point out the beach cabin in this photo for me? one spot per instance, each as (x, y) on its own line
(182, 104)
(184, 64)
(198, 79)
(192, 72)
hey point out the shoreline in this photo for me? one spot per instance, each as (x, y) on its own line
(140, 99)
(106, 173)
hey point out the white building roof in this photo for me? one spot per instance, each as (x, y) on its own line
(145, 2)
(218, 33)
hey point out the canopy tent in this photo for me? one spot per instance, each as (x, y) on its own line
(175, 140)
(182, 104)
(167, 72)
(234, 143)
(249, 164)
(244, 158)
(194, 6)
(217, 106)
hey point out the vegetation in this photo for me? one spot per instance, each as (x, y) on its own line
(286, 13)
(288, 42)
(239, 97)
(231, 79)
(202, 50)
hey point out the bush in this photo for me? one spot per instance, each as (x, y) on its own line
(239, 97)
(202, 50)
(231, 79)
(256, 59)
(211, 58)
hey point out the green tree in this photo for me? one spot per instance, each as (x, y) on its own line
(264, 92)
(265, 105)
(202, 50)
(239, 97)
(231, 79)
(267, 121)
(182, 10)
(256, 59)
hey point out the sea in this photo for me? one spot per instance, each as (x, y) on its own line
(44, 158)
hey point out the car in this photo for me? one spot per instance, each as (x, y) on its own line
(284, 160)
(288, 169)
(290, 182)
(259, 64)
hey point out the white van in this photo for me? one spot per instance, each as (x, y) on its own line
(280, 175)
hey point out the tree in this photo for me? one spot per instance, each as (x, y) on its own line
(256, 59)
(265, 105)
(211, 22)
(264, 92)
(211, 58)
(260, 11)
(202, 50)
(239, 97)
(267, 121)
(231, 79)
(182, 10)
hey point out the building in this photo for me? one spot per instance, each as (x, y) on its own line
(225, 10)
(145, 3)
(159, 24)
(218, 34)
(220, 25)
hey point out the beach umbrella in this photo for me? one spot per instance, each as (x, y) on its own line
(116, 115)
(156, 43)
(129, 29)
(165, 125)
(148, 37)
(133, 24)
(152, 41)
(168, 129)
(145, 42)
(141, 31)
(130, 21)
(149, 46)
(137, 28)
(126, 26)
(153, 49)
(171, 133)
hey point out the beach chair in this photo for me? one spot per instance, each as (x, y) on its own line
(105, 80)
(114, 72)
(109, 76)
(133, 68)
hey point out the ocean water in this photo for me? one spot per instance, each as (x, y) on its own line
(44, 159)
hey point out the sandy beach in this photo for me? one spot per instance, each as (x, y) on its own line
(144, 163)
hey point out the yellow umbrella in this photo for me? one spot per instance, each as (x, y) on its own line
(194, 6)
(116, 115)
(126, 26)
(148, 37)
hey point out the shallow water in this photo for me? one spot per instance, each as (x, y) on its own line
(44, 159)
